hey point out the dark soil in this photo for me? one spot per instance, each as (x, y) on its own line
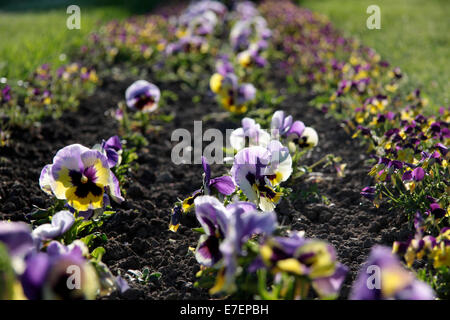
(138, 233)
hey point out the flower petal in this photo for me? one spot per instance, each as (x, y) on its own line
(224, 185)
(207, 252)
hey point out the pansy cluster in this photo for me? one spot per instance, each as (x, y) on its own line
(46, 93)
(355, 85)
(260, 164)
(136, 40)
(242, 250)
(238, 244)
(249, 35)
(238, 247)
(83, 177)
(352, 83)
(38, 259)
(436, 249)
(35, 266)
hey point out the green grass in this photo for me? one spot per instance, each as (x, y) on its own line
(29, 39)
(414, 35)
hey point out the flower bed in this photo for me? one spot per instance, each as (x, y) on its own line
(282, 218)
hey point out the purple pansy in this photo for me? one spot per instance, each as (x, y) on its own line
(46, 275)
(226, 230)
(368, 192)
(284, 126)
(223, 185)
(143, 96)
(383, 277)
(112, 149)
(16, 236)
(300, 256)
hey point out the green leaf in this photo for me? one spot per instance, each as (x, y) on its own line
(199, 230)
(7, 278)
(155, 275)
(98, 253)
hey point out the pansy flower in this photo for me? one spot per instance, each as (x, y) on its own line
(368, 192)
(308, 138)
(310, 258)
(226, 230)
(81, 176)
(416, 174)
(201, 8)
(222, 84)
(61, 222)
(244, 223)
(16, 236)
(187, 44)
(215, 219)
(417, 247)
(240, 35)
(202, 24)
(224, 66)
(5, 94)
(244, 32)
(143, 96)
(388, 280)
(175, 218)
(112, 149)
(282, 126)
(257, 170)
(253, 55)
(246, 10)
(46, 275)
(232, 95)
(223, 185)
(250, 134)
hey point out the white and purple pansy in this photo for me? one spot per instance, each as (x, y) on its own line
(296, 131)
(308, 139)
(226, 229)
(81, 176)
(283, 126)
(244, 222)
(213, 217)
(143, 96)
(250, 134)
(257, 170)
(60, 224)
(200, 9)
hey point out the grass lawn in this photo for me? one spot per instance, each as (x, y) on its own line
(414, 35)
(31, 38)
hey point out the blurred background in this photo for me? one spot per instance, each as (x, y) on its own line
(414, 34)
